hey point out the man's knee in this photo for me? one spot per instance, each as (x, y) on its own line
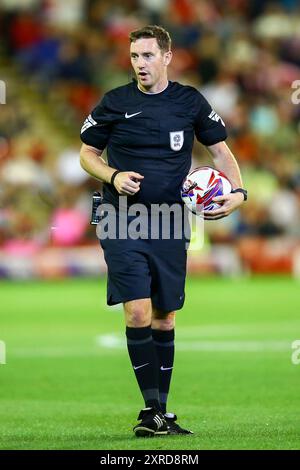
(138, 313)
(162, 320)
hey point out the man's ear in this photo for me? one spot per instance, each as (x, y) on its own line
(167, 57)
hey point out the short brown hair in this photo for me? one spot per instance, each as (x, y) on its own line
(152, 31)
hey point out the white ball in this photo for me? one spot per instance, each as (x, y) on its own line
(201, 186)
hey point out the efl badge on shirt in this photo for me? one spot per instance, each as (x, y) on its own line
(176, 140)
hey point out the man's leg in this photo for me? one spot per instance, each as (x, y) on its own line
(163, 333)
(143, 357)
(163, 324)
(142, 350)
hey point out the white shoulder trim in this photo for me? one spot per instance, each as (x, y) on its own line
(89, 122)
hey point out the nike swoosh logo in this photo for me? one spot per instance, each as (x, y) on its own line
(138, 367)
(166, 368)
(131, 115)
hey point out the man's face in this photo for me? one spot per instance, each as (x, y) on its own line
(149, 62)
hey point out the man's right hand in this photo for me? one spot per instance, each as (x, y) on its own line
(128, 182)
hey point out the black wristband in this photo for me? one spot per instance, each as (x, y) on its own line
(241, 190)
(113, 176)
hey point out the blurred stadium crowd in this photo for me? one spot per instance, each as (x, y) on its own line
(58, 58)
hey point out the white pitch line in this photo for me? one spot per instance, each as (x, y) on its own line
(60, 352)
(234, 346)
(233, 330)
(115, 342)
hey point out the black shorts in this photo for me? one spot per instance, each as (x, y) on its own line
(146, 268)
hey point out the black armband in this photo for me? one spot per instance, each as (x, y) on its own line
(113, 176)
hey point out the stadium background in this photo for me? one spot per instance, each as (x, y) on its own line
(57, 59)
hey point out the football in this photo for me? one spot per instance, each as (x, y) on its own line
(201, 186)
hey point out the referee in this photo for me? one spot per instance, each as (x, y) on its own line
(148, 127)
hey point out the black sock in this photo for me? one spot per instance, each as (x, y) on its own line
(143, 357)
(164, 343)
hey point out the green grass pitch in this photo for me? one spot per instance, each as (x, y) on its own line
(67, 383)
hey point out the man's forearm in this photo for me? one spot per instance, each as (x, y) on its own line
(224, 161)
(92, 163)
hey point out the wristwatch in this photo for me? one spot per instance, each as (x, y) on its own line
(241, 190)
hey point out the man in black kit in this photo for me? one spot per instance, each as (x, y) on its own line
(148, 127)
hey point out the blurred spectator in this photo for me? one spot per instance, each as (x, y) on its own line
(68, 169)
(69, 222)
(243, 56)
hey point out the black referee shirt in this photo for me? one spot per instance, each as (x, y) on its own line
(153, 135)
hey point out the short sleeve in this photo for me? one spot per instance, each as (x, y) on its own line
(209, 126)
(97, 126)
